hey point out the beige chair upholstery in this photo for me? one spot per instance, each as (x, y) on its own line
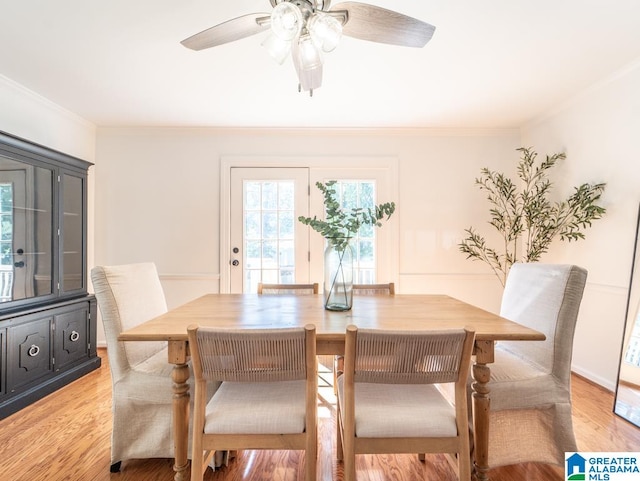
(142, 393)
(530, 418)
(267, 399)
(388, 401)
(297, 289)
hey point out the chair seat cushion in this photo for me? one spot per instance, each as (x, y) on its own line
(401, 410)
(257, 408)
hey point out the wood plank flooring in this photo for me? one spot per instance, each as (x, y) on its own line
(66, 436)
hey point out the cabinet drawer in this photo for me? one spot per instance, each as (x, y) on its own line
(28, 353)
(70, 338)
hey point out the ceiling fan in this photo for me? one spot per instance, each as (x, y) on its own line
(307, 29)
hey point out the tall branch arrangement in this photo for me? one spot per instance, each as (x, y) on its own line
(524, 216)
(339, 224)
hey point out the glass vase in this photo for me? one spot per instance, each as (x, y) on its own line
(338, 275)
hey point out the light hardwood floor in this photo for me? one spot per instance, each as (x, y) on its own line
(66, 436)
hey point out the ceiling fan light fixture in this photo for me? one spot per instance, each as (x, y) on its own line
(307, 29)
(325, 31)
(308, 54)
(286, 20)
(278, 48)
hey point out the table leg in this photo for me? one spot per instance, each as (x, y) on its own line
(180, 376)
(481, 407)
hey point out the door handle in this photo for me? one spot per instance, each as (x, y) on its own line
(18, 264)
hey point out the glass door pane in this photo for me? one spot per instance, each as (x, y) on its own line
(353, 194)
(375, 249)
(26, 261)
(268, 243)
(72, 228)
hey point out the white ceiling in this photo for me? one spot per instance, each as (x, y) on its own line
(490, 64)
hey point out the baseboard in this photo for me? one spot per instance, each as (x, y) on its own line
(595, 379)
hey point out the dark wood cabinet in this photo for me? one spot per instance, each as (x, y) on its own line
(47, 319)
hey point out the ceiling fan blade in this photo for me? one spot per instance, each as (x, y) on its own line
(229, 31)
(377, 24)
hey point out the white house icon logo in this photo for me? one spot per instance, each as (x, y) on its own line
(575, 468)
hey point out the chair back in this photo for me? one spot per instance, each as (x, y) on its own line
(296, 289)
(128, 295)
(545, 297)
(249, 355)
(410, 357)
(388, 289)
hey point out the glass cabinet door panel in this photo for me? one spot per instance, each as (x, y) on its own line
(72, 233)
(26, 223)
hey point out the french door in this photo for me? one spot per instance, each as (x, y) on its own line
(263, 241)
(268, 244)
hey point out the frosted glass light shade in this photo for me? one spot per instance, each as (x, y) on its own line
(325, 31)
(310, 79)
(308, 55)
(278, 48)
(308, 63)
(286, 20)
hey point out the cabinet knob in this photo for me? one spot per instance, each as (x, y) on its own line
(74, 336)
(33, 350)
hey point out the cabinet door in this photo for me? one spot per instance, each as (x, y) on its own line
(28, 353)
(26, 238)
(72, 234)
(70, 338)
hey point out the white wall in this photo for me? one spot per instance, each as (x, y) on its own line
(158, 198)
(598, 130)
(30, 116)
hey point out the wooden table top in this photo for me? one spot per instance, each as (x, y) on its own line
(411, 312)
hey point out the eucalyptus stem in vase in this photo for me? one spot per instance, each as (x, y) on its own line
(338, 227)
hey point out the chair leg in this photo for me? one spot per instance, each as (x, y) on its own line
(349, 458)
(115, 467)
(349, 467)
(464, 468)
(338, 369)
(339, 447)
(197, 471)
(311, 459)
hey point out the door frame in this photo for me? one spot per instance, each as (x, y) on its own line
(324, 163)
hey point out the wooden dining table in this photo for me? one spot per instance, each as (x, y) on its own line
(406, 312)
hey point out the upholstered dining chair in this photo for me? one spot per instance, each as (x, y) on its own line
(388, 401)
(530, 390)
(267, 399)
(298, 289)
(142, 393)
